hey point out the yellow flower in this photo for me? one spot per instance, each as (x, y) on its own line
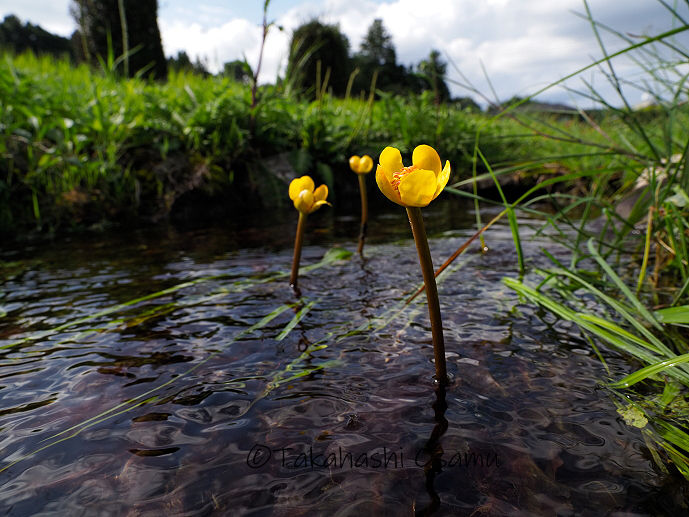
(361, 165)
(306, 200)
(417, 185)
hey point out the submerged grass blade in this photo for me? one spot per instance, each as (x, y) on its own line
(295, 320)
(277, 379)
(331, 256)
(149, 395)
(115, 308)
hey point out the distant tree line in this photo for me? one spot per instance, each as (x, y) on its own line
(20, 38)
(123, 36)
(320, 58)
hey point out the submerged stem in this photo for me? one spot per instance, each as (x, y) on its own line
(364, 212)
(297, 250)
(417, 228)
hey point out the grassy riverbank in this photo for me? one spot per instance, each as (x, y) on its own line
(626, 283)
(80, 147)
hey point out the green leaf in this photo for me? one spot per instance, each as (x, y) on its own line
(649, 371)
(295, 320)
(673, 315)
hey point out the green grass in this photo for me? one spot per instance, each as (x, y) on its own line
(622, 209)
(82, 147)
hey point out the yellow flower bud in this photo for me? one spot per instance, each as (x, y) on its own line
(361, 165)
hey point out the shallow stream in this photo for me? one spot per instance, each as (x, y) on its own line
(218, 393)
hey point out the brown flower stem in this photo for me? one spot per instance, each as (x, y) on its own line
(364, 212)
(457, 253)
(417, 228)
(297, 250)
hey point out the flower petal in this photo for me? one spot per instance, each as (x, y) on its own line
(321, 193)
(304, 201)
(365, 164)
(354, 163)
(417, 188)
(317, 205)
(391, 161)
(385, 186)
(425, 157)
(442, 179)
(299, 184)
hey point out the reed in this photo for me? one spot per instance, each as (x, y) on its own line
(626, 226)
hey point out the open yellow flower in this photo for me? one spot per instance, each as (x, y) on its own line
(414, 186)
(361, 165)
(305, 198)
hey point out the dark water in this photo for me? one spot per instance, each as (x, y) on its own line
(228, 396)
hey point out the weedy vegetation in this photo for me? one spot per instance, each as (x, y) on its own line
(81, 147)
(625, 199)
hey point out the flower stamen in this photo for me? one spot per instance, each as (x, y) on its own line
(397, 177)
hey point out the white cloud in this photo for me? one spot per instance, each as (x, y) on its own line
(233, 40)
(523, 44)
(51, 15)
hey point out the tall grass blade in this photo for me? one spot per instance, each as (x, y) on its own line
(631, 297)
(648, 371)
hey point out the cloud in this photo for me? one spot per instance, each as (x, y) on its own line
(522, 44)
(236, 39)
(52, 15)
(517, 41)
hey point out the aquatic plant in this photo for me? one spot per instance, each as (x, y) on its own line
(82, 148)
(362, 165)
(634, 205)
(415, 187)
(306, 200)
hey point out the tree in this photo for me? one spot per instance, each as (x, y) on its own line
(20, 38)
(122, 28)
(377, 47)
(319, 55)
(182, 63)
(377, 58)
(238, 71)
(466, 103)
(434, 69)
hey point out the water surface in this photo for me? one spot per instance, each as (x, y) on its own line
(227, 395)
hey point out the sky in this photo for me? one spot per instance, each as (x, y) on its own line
(503, 47)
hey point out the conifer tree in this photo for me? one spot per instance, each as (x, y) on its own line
(104, 29)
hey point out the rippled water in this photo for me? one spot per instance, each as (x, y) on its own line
(228, 396)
